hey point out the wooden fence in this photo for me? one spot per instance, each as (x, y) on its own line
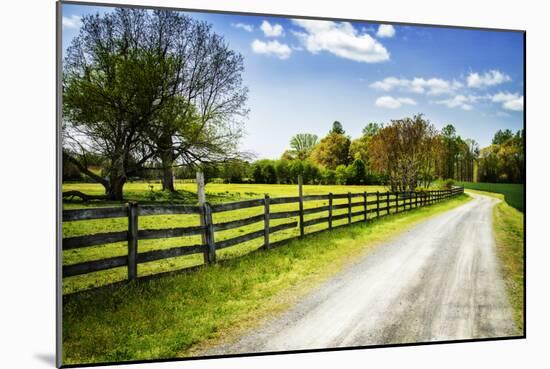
(372, 205)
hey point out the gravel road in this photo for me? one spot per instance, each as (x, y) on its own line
(438, 281)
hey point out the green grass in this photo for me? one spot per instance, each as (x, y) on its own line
(175, 315)
(513, 193)
(215, 193)
(149, 192)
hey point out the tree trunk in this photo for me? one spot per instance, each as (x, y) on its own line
(117, 179)
(115, 190)
(167, 162)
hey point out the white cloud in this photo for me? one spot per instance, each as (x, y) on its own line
(432, 86)
(491, 78)
(459, 101)
(74, 21)
(393, 103)
(385, 30)
(282, 51)
(340, 39)
(244, 26)
(270, 30)
(509, 101)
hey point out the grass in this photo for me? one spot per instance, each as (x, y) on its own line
(215, 193)
(174, 315)
(513, 193)
(509, 236)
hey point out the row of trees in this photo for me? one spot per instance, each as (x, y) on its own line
(404, 154)
(503, 160)
(149, 90)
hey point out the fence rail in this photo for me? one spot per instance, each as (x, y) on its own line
(383, 204)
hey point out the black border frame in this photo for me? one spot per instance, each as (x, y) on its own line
(59, 205)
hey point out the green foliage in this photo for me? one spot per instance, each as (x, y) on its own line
(356, 173)
(501, 136)
(337, 128)
(371, 129)
(448, 183)
(282, 169)
(331, 151)
(302, 144)
(504, 160)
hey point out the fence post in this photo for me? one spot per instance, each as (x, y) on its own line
(201, 194)
(349, 207)
(209, 234)
(365, 205)
(410, 200)
(132, 240)
(387, 202)
(301, 204)
(396, 202)
(377, 204)
(330, 210)
(266, 222)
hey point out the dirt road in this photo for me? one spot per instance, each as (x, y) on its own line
(438, 281)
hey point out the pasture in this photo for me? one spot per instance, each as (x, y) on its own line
(513, 193)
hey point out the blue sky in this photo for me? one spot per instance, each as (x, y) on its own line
(303, 75)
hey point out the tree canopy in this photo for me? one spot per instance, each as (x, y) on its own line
(140, 86)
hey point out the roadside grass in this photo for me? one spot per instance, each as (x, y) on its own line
(174, 316)
(509, 237)
(216, 193)
(513, 193)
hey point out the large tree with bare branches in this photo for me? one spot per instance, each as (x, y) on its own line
(141, 87)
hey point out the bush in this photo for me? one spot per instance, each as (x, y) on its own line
(448, 184)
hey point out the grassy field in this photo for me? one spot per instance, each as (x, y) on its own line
(174, 315)
(509, 236)
(215, 193)
(513, 193)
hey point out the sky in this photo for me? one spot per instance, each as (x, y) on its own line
(304, 74)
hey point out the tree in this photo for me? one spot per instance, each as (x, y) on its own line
(332, 151)
(356, 172)
(302, 144)
(138, 86)
(371, 129)
(282, 168)
(501, 136)
(405, 151)
(449, 150)
(337, 128)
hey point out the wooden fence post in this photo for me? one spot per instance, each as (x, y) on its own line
(396, 202)
(365, 205)
(410, 200)
(349, 207)
(330, 210)
(377, 204)
(301, 203)
(201, 194)
(132, 240)
(387, 202)
(266, 222)
(209, 234)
